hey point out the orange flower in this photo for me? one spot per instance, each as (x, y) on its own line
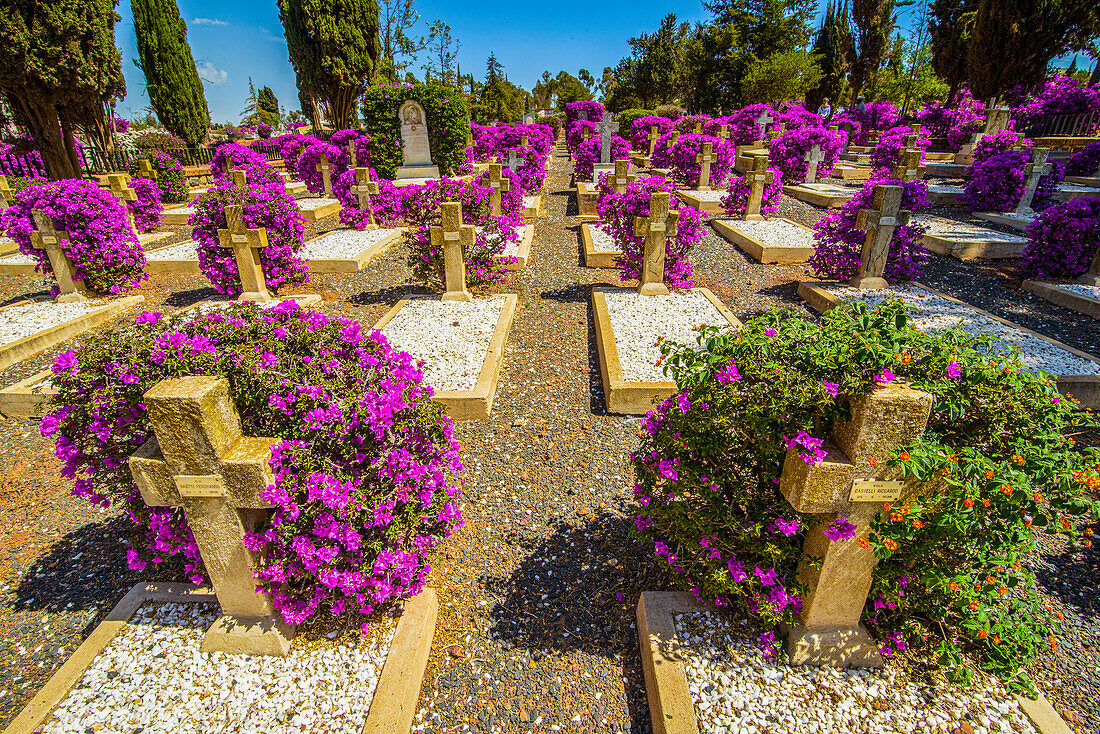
(968, 503)
(864, 543)
(1065, 524)
(905, 509)
(1018, 459)
(990, 580)
(904, 456)
(1028, 524)
(1087, 543)
(873, 461)
(906, 359)
(918, 524)
(1088, 531)
(996, 640)
(953, 586)
(1006, 489)
(988, 473)
(890, 545)
(1037, 496)
(973, 605)
(985, 503)
(982, 634)
(945, 471)
(1002, 591)
(1016, 565)
(886, 507)
(896, 517)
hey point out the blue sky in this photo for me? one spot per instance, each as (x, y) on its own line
(233, 41)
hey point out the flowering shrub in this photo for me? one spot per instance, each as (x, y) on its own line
(386, 205)
(887, 152)
(146, 208)
(839, 244)
(265, 203)
(686, 170)
(617, 212)
(737, 199)
(121, 124)
(104, 251)
(669, 111)
(365, 464)
(341, 138)
(875, 116)
(310, 157)
(957, 123)
(291, 146)
(263, 131)
(1085, 162)
(997, 183)
(639, 131)
(573, 112)
(789, 150)
(531, 168)
(743, 126)
(588, 154)
(687, 123)
(1063, 239)
(574, 134)
(1059, 95)
(170, 180)
(997, 143)
(159, 140)
(794, 115)
(955, 566)
(662, 151)
(234, 155)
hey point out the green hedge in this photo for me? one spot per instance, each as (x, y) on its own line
(448, 125)
(626, 119)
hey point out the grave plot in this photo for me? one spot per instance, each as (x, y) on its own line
(588, 194)
(1071, 191)
(600, 249)
(180, 259)
(769, 241)
(521, 249)
(944, 195)
(533, 207)
(1023, 215)
(459, 338)
(1092, 182)
(348, 250)
(940, 169)
(830, 196)
(966, 241)
(22, 400)
(851, 173)
(315, 208)
(1008, 219)
(1081, 297)
(177, 215)
(8, 246)
(704, 196)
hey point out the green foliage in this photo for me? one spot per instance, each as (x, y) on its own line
(448, 125)
(498, 99)
(334, 48)
(659, 72)
(831, 44)
(627, 117)
(874, 22)
(783, 76)
(715, 64)
(171, 78)
(766, 27)
(569, 88)
(267, 106)
(911, 78)
(949, 23)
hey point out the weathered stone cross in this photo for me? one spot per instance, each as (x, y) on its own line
(837, 574)
(363, 189)
(325, 169)
(353, 159)
(996, 118)
(760, 177)
(656, 228)
(498, 186)
(879, 223)
(909, 167)
(763, 121)
(723, 131)
(119, 185)
(705, 158)
(146, 170)
(1037, 167)
(5, 193)
(237, 176)
(621, 177)
(524, 142)
(606, 128)
(246, 245)
(814, 157)
(456, 239)
(654, 136)
(698, 128)
(199, 460)
(513, 161)
(46, 236)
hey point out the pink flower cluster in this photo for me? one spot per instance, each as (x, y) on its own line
(737, 199)
(639, 131)
(888, 148)
(146, 209)
(788, 152)
(588, 154)
(234, 155)
(686, 169)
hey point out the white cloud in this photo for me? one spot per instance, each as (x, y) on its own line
(267, 35)
(207, 21)
(211, 74)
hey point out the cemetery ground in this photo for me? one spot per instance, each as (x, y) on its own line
(538, 591)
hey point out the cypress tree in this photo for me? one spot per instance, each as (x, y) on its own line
(268, 106)
(173, 83)
(333, 48)
(949, 25)
(829, 48)
(874, 21)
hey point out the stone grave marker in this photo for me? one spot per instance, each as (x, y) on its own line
(46, 236)
(455, 238)
(353, 159)
(524, 142)
(837, 574)
(654, 136)
(621, 176)
(6, 195)
(996, 118)
(200, 461)
(363, 189)
(607, 127)
(513, 161)
(119, 185)
(498, 185)
(416, 154)
(246, 244)
(656, 228)
(705, 158)
(814, 157)
(145, 169)
(762, 122)
(759, 178)
(1037, 167)
(325, 169)
(879, 223)
(724, 131)
(909, 168)
(698, 128)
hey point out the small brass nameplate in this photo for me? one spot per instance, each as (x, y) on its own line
(239, 239)
(206, 486)
(450, 236)
(873, 490)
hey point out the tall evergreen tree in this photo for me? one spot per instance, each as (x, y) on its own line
(171, 78)
(874, 21)
(334, 49)
(949, 24)
(766, 27)
(267, 105)
(660, 70)
(499, 99)
(830, 44)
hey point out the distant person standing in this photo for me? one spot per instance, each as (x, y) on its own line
(861, 106)
(825, 110)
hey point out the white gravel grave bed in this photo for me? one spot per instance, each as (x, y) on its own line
(707, 195)
(188, 210)
(452, 337)
(735, 689)
(19, 322)
(315, 202)
(945, 189)
(1077, 189)
(18, 258)
(950, 229)
(153, 677)
(530, 201)
(774, 232)
(344, 244)
(1090, 291)
(182, 251)
(638, 322)
(511, 248)
(936, 312)
(602, 241)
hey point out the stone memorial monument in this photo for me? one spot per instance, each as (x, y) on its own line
(415, 150)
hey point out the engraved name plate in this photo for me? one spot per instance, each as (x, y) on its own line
(873, 490)
(201, 486)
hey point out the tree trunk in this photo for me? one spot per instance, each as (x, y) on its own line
(70, 147)
(45, 128)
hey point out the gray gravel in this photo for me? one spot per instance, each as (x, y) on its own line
(19, 322)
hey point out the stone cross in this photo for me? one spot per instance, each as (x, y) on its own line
(46, 236)
(524, 142)
(353, 159)
(498, 186)
(814, 157)
(1037, 167)
(513, 161)
(119, 185)
(5, 193)
(705, 158)
(723, 131)
(909, 167)
(656, 228)
(760, 177)
(237, 176)
(621, 177)
(698, 128)
(654, 136)
(763, 121)
(996, 118)
(325, 169)
(456, 239)
(879, 223)
(586, 133)
(362, 190)
(198, 460)
(846, 485)
(246, 245)
(145, 170)
(606, 128)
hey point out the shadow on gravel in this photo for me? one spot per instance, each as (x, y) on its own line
(389, 296)
(42, 295)
(786, 294)
(183, 299)
(1073, 577)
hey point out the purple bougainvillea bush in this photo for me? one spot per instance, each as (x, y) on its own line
(234, 155)
(290, 147)
(875, 116)
(308, 159)
(738, 197)
(573, 111)
(587, 155)
(839, 244)
(1085, 162)
(788, 152)
(1059, 95)
(993, 144)
(1063, 239)
(794, 116)
(574, 134)
(104, 250)
(997, 183)
(265, 204)
(685, 168)
(171, 182)
(957, 123)
(146, 208)
(662, 150)
(617, 213)
(639, 131)
(386, 204)
(531, 165)
(341, 138)
(743, 126)
(365, 465)
(887, 152)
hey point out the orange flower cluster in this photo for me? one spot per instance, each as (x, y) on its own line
(1006, 489)
(1082, 478)
(904, 456)
(1019, 460)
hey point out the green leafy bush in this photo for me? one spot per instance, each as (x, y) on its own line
(955, 577)
(626, 119)
(448, 121)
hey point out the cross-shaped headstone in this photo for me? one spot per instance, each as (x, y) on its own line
(145, 169)
(325, 169)
(656, 228)
(724, 131)
(705, 158)
(763, 121)
(606, 128)
(353, 159)
(363, 189)
(909, 167)
(814, 157)
(698, 128)
(246, 244)
(513, 161)
(621, 177)
(119, 185)
(46, 236)
(5, 193)
(847, 485)
(524, 142)
(654, 136)
(198, 460)
(237, 176)
(1036, 168)
(879, 223)
(456, 239)
(498, 185)
(759, 178)
(586, 133)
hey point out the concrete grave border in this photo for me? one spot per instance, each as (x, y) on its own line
(172, 217)
(353, 264)
(462, 405)
(21, 400)
(761, 251)
(23, 348)
(18, 269)
(1067, 299)
(1003, 219)
(1086, 388)
(817, 198)
(852, 172)
(326, 210)
(622, 396)
(708, 207)
(671, 707)
(397, 691)
(526, 237)
(592, 258)
(971, 249)
(587, 197)
(538, 210)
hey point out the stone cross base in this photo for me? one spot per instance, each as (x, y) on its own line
(255, 297)
(74, 297)
(838, 646)
(1092, 279)
(868, 283)
(236, 635)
